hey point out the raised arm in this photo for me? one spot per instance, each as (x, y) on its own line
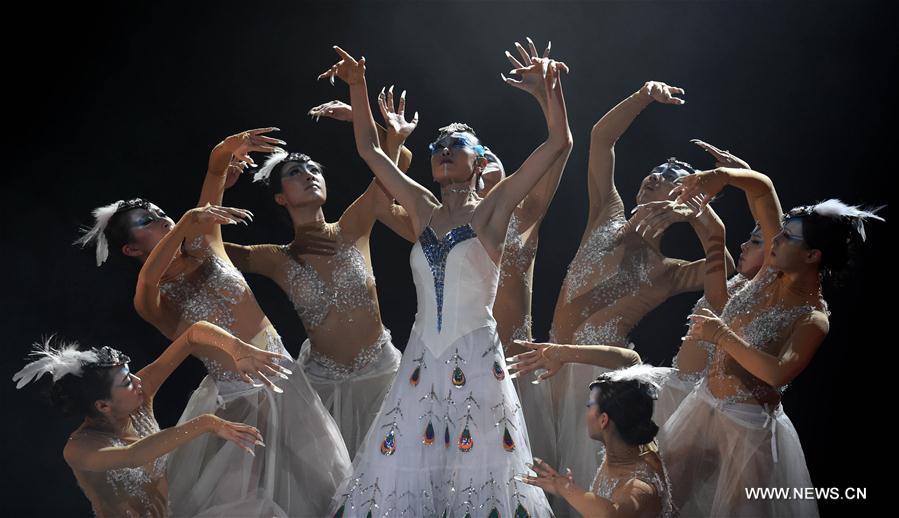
(250, 360)
(417, 200)
(538, 200)
(147, 299)
(376, 202)
(551, 357)
(760, 194)
(605, 201)
(496, 208)
(775, 370)
(90, 455)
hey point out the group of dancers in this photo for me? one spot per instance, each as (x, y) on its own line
(474, 417)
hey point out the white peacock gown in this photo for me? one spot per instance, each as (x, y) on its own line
(450, 435)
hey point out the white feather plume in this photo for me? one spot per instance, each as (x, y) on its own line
(262, 175)
(655, 376)
(835, 208)
(97, 232)
(60, 361)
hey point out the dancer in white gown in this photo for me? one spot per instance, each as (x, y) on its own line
(450, 437)
(187, 277)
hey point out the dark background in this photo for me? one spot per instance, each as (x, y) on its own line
(112, 102)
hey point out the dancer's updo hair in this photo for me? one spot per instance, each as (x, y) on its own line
(80, 378)
(838, 231)
(629, 404)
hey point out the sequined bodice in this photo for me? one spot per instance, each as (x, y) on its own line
(734, 284)
(758, 332)
(130, 491)
(589, 257)
(518, 254)
(436, 251)
(455, 281)
(605, 485)
(603, 273)
(208, 293)
(348, 288)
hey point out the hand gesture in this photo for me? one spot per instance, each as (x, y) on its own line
(547, 478)
(660, 92)
(336, 110)
(651, 219)
(722, 158)
(541, 356)
(243, 435)
(705, 326)
(216, 215)
(347, 69)
(395, 119)
(531, 76)
(702, 186)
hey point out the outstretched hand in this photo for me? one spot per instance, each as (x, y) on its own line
(348, 69)
(660, 92)
(395, 118)
(722, 158)
(337, 110)
(541, 356)
(530, 69)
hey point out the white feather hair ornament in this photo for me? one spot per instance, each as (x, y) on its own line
(97, 232)
(655, 376)
(59, 361)
(264, 172)
(835, 208)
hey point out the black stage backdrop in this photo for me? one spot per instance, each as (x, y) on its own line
(127, 100)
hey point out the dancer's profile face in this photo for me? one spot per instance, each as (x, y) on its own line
(596, 418)
(454, 158)
(302, 183)
(789, 251)
(147, 227)
(126, 393)
(752, 254)
(656, 187)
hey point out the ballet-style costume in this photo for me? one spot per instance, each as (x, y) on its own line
(352, 393)
(604, 484)
(304, 457)
(679, 385)
(138, 491)
(450, 436)
(614, 280)
(717, 447)
(536, 399)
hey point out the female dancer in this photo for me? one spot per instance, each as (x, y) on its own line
(118, 454)
(732, 433)
(187, 277)
(452, 374)
(326, 272)
(618, 275)
(632, 481)
(694, 358)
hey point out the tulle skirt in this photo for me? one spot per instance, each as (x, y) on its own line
(297, 472)
(353, 396)
(671, 395)
(449, 438)
(716, 451)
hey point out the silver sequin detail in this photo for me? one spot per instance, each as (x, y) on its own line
(523, 332)
(211, 291)
(339, 371)
(218, 372)
(758, 332)
(518, 254)
(734, 284)
(600, 244)
(313, 298)
(131, 482)
(603, 334)
(604, 486)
